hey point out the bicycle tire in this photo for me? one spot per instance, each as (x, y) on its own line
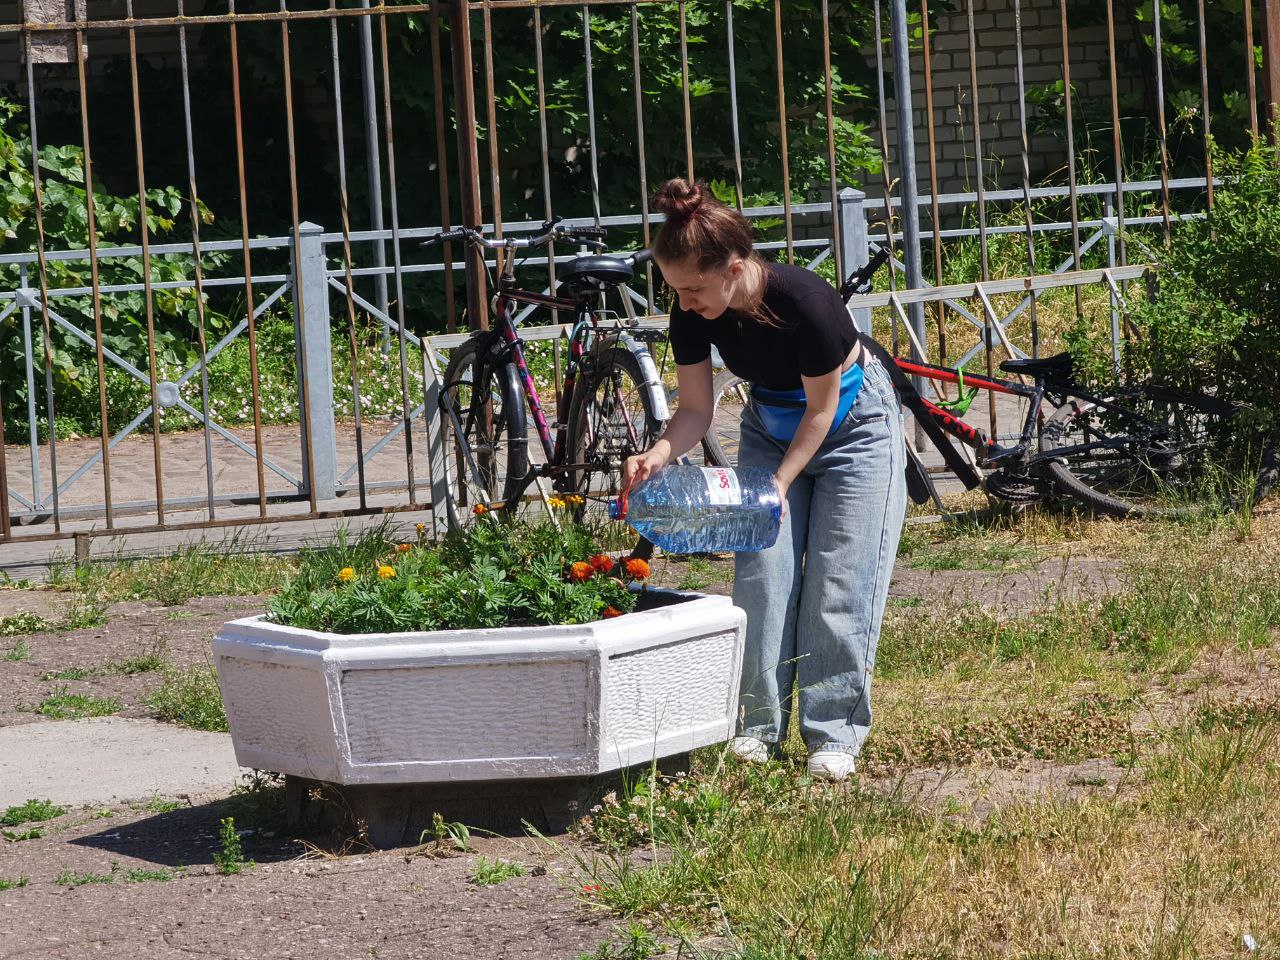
(1173, 459)
(500, 450)
(728, 402)
(601, 426)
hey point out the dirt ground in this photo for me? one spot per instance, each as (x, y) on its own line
(299, 902)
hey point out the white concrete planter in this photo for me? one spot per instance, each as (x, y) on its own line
(473, 705)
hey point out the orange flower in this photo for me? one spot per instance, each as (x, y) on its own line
(601, 563)
(403, 547)
(385, 572)
(479, 509)
(346, 574)
(591, 888)
(422, 528)
(580, 571)
(609, 613)
(636, 568)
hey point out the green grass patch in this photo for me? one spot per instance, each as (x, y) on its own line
(17, 624)
(62, 705)
(487, 873)
(69, 878)
(190, 697)
(13, 883)
(17, 653)
(144, 663)
(33, 811)
(158, 804)
(15, 836)
(163, 875)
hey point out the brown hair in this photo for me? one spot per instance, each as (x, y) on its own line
(701, 228)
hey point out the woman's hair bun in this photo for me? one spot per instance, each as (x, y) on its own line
(678, 199)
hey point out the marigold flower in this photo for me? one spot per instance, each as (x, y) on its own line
(636, 568)
(403, 547)
(601, 563)
(579, 571)
(479, 509)
(608, 613)
(555, 501)
(347, 574)
(385, 572)
(422, 528)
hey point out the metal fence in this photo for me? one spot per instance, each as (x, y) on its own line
(333, 286)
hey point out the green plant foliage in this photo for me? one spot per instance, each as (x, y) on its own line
(33, 811)
(493, 574)
(191, 698)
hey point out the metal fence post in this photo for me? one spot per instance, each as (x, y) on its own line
(854, 244)
(315, 364)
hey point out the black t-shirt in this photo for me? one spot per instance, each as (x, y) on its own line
(815, 333)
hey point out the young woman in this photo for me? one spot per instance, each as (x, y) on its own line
(824, 418)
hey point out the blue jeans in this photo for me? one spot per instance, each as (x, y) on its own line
(816, 598)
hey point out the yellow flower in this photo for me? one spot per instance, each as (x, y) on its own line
(479, 509)
(385, 572)
(555, 501)
(346, 574)
(574, 500)
(422, 528)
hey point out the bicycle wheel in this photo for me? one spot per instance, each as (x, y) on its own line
(612, 417)
(729, 396)
(1149, 452)
(485, 430)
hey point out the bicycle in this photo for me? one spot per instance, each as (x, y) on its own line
(612, 403)
(1141, 450)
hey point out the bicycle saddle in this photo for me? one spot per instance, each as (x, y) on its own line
(1059, 368)
(595, 273)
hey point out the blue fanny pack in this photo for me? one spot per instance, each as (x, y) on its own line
(781, 410)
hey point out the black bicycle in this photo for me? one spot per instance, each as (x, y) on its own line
(612, 403)
(1140, 450)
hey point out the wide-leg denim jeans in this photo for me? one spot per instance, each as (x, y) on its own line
(816, 598)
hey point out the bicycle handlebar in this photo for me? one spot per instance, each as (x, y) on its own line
(551, 230)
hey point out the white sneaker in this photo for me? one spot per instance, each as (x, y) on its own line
(750, 749)
(832, 765)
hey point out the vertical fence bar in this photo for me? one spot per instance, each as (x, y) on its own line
(1271, 13)
(464, 97)
(248, 269)
(4, 478)
(940, 307)
(640, 151)
(837, 250)
(1204, 104)
(544, 143)
(782, 121)
(145, 229)
(733, 102)
(406, 405)
(884, 169)
(33, 422)
(907, 164)
(1251, 68)
(81, 56)
(442, 160)
(491, 107)
(327, 479)
(1026, 172)
(684, 89)
(373, 159)
(1068, 110)
(43, 266)
(348, 279)
(975, 105)
(193, 196)
(1161, 125)
(1115, 130)
(591, 113)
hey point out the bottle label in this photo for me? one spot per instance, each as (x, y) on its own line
(723, 487)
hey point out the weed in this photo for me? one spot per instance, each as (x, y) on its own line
(162, 875)
(452, 837)
(635, 942)
(180, 615)
(70, 673)
(190, 697)
(103, 814)
(229, 858)
(83, 613)
(61, 705)
(158, 804)
(33, 811)
(14, 836)
(69, 878)
(258, 800)
(13, 883)
(18, 624)
(17, 653)
(488, 872)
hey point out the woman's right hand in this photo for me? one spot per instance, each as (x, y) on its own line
(636, 470)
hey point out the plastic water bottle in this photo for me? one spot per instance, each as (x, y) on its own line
(686, 509)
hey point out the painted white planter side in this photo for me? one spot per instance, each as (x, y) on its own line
(460, 705)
